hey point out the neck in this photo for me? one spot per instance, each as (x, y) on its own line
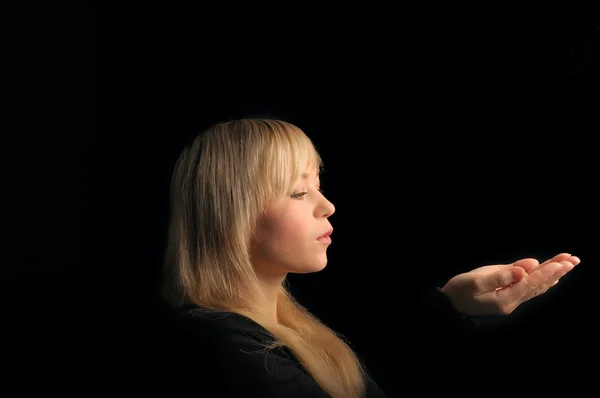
(270, 287)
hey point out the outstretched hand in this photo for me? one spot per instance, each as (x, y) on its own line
(500, 289)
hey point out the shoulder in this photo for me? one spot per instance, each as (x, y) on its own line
(205, 326)
(226, 350)
(226, 334)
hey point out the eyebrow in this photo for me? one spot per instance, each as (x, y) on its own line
(305, 176)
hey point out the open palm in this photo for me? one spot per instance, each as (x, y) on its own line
(501, 288)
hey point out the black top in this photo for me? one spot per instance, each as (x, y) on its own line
(220, 351)
(229, 357)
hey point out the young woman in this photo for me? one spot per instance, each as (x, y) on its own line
(246, 210)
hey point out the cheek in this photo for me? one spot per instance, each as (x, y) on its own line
(288, 232)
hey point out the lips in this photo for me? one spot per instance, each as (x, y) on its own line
(326, 234)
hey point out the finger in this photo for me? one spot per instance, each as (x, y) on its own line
(567, 266)
(528, 264)
(500, 279)
(553, 280)
(549, 283)
(558, 258)
(575, 260)
(524, 290)
(531, 264)
(543, 273)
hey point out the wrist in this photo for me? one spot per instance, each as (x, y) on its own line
(444, 291)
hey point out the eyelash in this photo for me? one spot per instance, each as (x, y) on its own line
(300, 195)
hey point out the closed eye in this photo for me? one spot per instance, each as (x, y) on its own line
(300, 195)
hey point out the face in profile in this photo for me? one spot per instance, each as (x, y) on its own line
(292, 234)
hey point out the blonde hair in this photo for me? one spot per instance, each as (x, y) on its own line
(221, 184)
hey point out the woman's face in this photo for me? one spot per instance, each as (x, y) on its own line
(292, 234)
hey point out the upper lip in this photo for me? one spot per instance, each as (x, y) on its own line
(327, 233)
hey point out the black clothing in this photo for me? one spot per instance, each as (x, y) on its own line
(221, 352)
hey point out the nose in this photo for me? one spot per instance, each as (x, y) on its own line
(328, 207)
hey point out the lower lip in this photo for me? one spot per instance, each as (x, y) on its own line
(325, 239)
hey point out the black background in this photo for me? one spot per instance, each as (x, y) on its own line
(453, 136)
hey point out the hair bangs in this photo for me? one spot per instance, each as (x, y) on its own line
(291, 153)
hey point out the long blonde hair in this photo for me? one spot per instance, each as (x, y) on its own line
(221, 184)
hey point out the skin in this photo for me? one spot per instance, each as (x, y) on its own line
(286, 238)
(500, 289)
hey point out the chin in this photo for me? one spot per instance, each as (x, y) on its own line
(310, 269)
(308, 265)
(319, 267)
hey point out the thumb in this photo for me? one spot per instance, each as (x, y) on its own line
(505, 277)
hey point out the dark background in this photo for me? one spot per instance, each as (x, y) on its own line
(453, 136)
